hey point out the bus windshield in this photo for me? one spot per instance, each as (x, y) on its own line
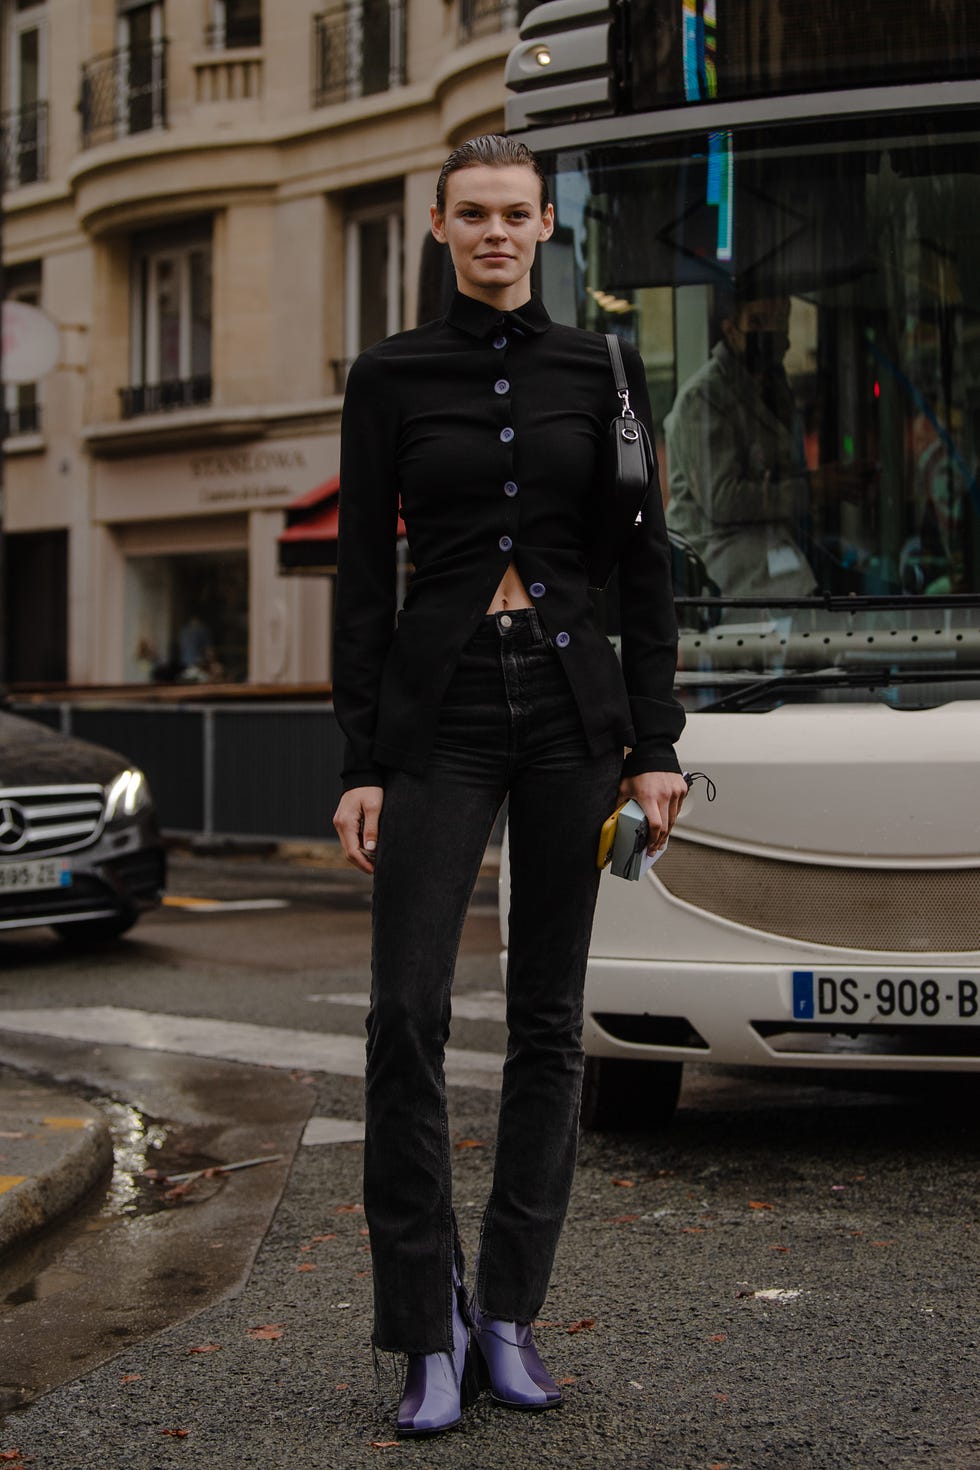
(806, 300)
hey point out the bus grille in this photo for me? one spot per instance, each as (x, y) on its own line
(890, 909)
(37, 820)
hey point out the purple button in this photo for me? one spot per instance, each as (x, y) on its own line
(510, 487)
(562, 640)
(501, 386)
(506, 435)
(505, 543)
(499, 342)
(537, 589)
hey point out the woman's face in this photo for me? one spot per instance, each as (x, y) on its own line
(492, 225)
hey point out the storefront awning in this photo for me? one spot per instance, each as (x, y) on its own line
(308, 545)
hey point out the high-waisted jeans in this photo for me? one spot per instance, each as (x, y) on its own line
(508, 726)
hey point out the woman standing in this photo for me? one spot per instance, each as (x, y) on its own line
(493, 682)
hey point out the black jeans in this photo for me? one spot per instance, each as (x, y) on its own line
(508, 725)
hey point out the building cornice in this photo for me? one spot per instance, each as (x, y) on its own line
(188, 428)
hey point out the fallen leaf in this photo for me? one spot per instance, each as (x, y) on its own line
(718, 1337)
(624, 1183)
(719, 1465)
(881, 1242)
(339, 1386)
(470, 1143)
(130, 1377)
(623, 1219)
(722, 1398)
(564, 1382)
(364, 1230)
(352, 1210)
(540, 1322)
(385, 1444)
(306, 1266)
(270, 1332)
(176, 1433)
(585, 1325)
(206, 1347)
(782, 1249)
(317, 1238)
(11, 1455)
(758, 1204)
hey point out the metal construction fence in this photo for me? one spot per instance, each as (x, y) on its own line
(261, 771)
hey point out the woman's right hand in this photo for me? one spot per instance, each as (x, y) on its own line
(356, 821)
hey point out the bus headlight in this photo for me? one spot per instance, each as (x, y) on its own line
(127, 795)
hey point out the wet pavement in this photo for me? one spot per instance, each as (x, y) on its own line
(141, 1255)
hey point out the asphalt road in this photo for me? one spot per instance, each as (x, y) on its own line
(787, 1277)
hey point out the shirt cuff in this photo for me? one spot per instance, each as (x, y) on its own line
(643, 758)
(364, 776)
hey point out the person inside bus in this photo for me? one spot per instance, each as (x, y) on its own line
(740, 491)
(494, 681)
(738, 488)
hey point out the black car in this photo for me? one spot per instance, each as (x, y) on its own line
(80, 847)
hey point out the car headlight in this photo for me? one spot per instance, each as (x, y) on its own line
(126, 795)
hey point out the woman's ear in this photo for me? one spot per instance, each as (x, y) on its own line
(437, 223)
(547, 223)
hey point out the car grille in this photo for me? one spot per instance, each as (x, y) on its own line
(925, 910)
(37, 820)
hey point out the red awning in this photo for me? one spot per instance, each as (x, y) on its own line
(308, 545)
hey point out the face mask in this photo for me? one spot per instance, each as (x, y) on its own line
(765, 350)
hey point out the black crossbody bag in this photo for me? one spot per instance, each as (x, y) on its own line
(627, 472)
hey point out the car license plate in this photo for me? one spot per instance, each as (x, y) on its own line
(35, 873)
(865, 997)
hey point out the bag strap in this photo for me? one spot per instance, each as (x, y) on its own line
(619, 371)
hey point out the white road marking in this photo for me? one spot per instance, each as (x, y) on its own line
(333, 1130)
(233, 1041)
(480, 1005)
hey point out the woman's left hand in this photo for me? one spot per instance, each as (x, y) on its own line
(660, 794)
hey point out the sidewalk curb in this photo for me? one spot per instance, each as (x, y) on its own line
(53, 1149)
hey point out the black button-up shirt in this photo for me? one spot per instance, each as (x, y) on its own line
(486, 427)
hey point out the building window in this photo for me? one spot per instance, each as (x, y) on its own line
(358, 49)
(170, 363)
(485, 17)
(235, 23)
(372, 279)
(22, 401)
(126, 91)
(35, 597)
(25, 125)
(188, 616)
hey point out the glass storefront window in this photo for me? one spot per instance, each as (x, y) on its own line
(187, 618)
(807, 303)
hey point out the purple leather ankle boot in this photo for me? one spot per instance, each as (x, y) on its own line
(518, 1378)
(437, 1384)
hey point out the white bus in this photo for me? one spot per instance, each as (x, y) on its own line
(727, 177)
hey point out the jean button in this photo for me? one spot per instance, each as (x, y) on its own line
(501, 386)
(537, 589)
(562, 640)
(510, 487)
(505, 543)
(506, 435)
(506, 621)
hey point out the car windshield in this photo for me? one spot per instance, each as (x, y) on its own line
(807, 304)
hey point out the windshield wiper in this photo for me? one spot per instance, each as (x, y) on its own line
(878, 677)
(840, 602)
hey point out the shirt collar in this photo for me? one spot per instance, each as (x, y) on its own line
(479, 319)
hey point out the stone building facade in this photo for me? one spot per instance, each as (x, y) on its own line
(218, 203)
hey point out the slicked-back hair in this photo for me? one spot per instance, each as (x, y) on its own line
(496, 151)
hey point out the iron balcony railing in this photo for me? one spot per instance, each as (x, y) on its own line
(484, 17)
(164, 397)
(358, 49)
(25, 145)
(124, 92)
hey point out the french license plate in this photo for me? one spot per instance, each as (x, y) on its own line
(863, 998)
(35, 873)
